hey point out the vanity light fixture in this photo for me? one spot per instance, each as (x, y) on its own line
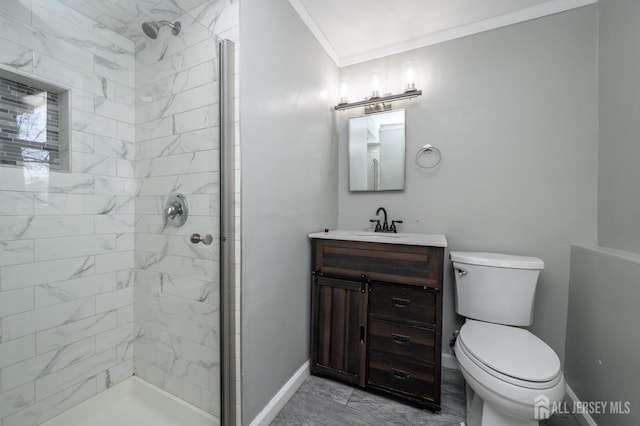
(377, 103)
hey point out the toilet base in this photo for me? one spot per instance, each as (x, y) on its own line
(493, 417)
(479, 413)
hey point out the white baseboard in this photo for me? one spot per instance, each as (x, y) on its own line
(584, 419)
(450, 361)
(271, 410)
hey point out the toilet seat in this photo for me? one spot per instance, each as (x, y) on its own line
(510, 354)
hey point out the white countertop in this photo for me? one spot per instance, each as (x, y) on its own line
(407, 238)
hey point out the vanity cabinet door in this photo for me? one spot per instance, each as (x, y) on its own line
(339, 335)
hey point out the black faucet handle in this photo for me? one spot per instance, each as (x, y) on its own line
(392, 228)
(377, 222)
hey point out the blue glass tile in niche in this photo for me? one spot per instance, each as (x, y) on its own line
(33, 124)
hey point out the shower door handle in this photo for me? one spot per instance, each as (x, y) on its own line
(197, 238)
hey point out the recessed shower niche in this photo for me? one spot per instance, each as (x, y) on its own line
(34, 123)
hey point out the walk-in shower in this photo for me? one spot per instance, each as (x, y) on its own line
(152, 28)
(99, 298)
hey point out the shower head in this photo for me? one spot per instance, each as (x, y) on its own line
(152, 28)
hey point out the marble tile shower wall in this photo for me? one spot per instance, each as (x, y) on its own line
(177, 150)
(67, 239)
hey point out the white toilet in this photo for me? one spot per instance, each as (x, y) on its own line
(513, 377)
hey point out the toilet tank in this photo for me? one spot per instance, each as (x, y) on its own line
(497, 288)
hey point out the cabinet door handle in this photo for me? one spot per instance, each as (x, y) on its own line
(362, 334)
(401, 339)
(399, 374)
(401, 303)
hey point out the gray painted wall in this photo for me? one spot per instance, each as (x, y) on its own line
(602, 331)
(602, 346)
(514, 112)
(619, 127)
(289, 177)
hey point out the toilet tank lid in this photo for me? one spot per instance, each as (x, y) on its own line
(496, 259)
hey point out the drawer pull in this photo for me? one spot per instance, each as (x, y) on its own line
(401, 339)
(401, 303)
(398, 374)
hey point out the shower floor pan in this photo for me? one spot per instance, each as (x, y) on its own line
(133, 402)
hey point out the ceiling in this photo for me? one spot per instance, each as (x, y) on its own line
(354, 31)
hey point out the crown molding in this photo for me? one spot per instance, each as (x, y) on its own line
(527, 14)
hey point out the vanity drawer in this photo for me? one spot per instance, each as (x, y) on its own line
(403, 340)
(407, 303)
(401, 375)
(393, 263)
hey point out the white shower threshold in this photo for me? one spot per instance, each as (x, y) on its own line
(133, 402)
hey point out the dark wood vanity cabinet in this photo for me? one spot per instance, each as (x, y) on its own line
(377, 317)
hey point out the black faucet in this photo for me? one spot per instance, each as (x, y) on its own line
(378, 227)
(385, 224)
(392, 228)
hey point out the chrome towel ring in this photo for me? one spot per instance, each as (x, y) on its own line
(428, 149)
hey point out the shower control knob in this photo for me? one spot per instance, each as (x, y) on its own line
(197, 238)
(176, 210)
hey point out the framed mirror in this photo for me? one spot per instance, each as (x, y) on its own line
(377, 152)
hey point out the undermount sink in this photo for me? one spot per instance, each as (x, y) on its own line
(408, 238)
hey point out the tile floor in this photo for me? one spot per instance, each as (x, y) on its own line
(324, 402)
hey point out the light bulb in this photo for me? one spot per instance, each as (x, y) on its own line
(410, 79)
(344, 93)
(375, 86)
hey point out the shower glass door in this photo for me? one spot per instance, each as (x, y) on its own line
(176, 296)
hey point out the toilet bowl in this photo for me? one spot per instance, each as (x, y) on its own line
(513, 378)
(510, 371)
